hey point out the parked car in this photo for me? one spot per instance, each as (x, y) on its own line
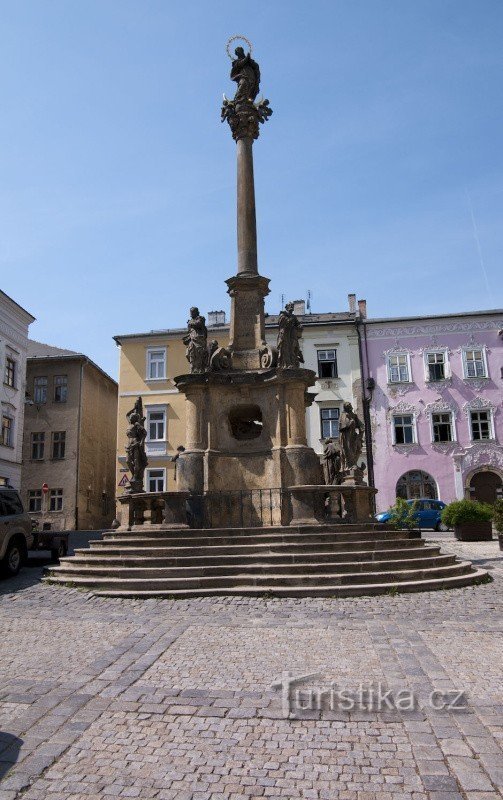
(15, 532)
(427, 512)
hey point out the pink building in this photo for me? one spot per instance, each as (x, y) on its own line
(434, 391)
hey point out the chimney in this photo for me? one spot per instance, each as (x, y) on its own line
(299, 307)
(352, 303)
(216, 318)
(362, 308)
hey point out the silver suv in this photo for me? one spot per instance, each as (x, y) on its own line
(15, 532)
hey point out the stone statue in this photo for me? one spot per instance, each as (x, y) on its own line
(290, 329)
(246, 73)
(136, 457)
(220, 358)
(242, 112)
(196, 341)
(331, 461)
(351, 436)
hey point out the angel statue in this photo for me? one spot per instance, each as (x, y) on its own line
(136, 457)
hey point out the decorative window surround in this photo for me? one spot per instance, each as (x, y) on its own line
(402, 409)
(156, 446)
(447, 378)
(470, 365)
(442, 407)
(394, 354)
(480, 404)
(156, 364)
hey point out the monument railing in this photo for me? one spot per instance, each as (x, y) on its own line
(247, 508)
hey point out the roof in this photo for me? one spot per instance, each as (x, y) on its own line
(495, 312)
(271, 321)
(42, 350)
(7, 297)
(39, 351)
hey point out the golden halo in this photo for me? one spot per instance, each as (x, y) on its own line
(233, 39)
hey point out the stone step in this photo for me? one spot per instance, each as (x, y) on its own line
(304, 568)
(85, 557)
(235, 533)
(196, 539)
(334, 590)
(269, 580)
(122, 549)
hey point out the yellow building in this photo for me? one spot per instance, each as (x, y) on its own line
(150, 361)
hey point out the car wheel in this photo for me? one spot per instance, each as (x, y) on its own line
(59, 552)
(13, 558)
(441, 526)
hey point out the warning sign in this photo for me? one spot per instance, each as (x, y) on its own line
(124, 481)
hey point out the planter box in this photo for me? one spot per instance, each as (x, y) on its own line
(474, 532)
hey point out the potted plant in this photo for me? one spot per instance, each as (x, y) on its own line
(403, 515)
(471, 520)
(498, 520)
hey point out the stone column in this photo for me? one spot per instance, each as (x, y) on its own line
(246, 218)
(190, 466)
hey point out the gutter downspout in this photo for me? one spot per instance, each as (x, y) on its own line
(366, 400)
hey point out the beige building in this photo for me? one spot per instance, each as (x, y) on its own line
(68, 476)
(150, 361)
(14, 323)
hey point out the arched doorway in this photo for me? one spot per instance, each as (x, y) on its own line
(486, 486)
(416, 483)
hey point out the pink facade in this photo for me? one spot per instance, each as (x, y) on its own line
(437, 423)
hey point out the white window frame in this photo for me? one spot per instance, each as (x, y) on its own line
(157, 409)
(323, 350)
(490, 412)
(414, 428)
(447, 365)
(449, 411)
(10, 443)
(389, 356)
(150, 361)
(470, 349)
(336, 419)
(148, 477)
(42, 386)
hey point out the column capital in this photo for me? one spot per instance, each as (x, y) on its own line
(244, 117)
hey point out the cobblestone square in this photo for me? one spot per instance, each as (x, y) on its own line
(174, 700)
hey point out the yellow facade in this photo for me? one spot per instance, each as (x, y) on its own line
(158, 394)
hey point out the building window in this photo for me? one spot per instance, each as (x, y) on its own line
(7, 428)
(58, 444)
(398, 368)
(10, 372)
(435, 366)
(329, 423)
(442, 427)
(475, 364)
(156, 480)
(56, 500)
(156, 364)
(403, 429)
(40, 390)
(156, 426)
(35, 500)
(60, 388)
(37, 446)
(416, 484)
(480, 422)
(327, 363)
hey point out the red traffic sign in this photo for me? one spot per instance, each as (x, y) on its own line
(45, 488)
(124, 481)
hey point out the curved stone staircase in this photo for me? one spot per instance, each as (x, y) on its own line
(328, 560)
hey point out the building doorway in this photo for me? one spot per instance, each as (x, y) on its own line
(486, 487)
(415, 484)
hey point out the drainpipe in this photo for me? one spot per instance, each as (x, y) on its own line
(78, 448)
(367, 383)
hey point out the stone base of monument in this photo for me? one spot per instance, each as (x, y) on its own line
(297, 542)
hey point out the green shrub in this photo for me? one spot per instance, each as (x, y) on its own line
(498, 515)
(462, 512)
(403, 514)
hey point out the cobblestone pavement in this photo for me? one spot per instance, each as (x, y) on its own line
(172, 700)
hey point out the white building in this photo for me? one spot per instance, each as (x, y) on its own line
(14, 323)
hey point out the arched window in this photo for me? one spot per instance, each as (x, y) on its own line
(416, 484)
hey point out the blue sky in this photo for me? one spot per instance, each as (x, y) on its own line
(379, 173)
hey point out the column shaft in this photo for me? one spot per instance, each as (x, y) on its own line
(247, 224)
